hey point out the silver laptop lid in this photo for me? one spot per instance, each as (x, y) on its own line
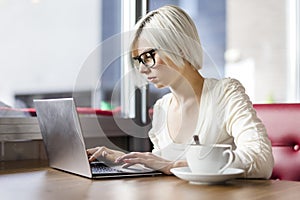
(62, 135)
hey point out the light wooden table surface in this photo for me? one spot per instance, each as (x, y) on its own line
(37, 181)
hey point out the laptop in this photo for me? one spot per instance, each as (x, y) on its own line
(64, 142)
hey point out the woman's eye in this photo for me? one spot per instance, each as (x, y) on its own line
(147, 56)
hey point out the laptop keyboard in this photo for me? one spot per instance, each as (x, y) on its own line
(101, 168)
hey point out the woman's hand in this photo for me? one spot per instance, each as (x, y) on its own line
(103, 152)
(149, 160)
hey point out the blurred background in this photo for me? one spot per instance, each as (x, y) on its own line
(45, 45)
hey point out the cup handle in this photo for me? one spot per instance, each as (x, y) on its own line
(230, 160)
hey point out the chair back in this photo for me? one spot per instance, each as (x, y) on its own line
(282, 122)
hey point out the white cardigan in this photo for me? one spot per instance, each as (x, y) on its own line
(226, 116)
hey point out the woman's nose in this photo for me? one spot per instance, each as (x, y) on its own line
(143, 69)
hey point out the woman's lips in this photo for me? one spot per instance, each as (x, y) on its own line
(151, 78)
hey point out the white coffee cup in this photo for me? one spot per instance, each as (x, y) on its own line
(209, 159)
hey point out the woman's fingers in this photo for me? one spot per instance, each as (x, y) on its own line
(135, 158)
(126, 165)
(132, 161)
(147, 159)
(103, 152)
(91, 151)
(131, 155)
(121, 158)
(96, 152)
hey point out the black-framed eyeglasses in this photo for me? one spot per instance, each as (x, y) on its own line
(147, 58)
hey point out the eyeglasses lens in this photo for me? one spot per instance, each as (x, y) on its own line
(146, 58)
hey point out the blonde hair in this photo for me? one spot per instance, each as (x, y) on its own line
(170, 29)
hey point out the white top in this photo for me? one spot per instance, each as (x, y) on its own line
(226, 116)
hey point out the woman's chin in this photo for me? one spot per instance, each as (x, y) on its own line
(159, 86)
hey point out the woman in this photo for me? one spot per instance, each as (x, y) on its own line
(167, 51)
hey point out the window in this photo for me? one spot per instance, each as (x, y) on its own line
(210, 20)
(260, 50)
(45, 45)
(293, 86)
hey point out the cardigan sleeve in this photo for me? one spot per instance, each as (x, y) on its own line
(152, 133)
(158, 122)
(253, 151)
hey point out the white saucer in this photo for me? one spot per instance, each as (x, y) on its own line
(186, 174)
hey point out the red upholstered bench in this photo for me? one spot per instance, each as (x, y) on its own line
(282, 122)
(80, 110)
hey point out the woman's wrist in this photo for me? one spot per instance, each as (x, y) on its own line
(178, 163)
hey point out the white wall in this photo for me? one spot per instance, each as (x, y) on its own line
(258, 30)
(43, 44)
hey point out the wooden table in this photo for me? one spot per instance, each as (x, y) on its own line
(42, 182)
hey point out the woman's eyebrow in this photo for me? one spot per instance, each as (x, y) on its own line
(145, 51)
